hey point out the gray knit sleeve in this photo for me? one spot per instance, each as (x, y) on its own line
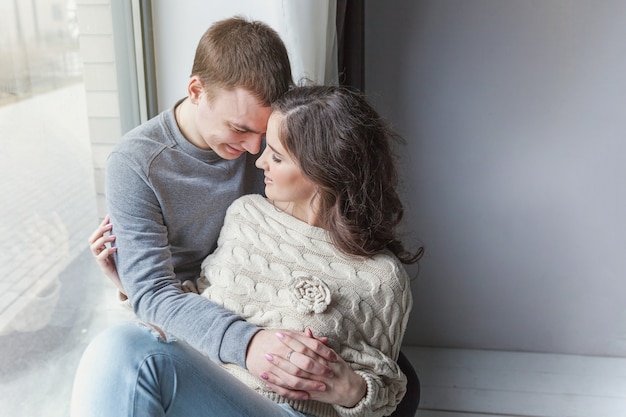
(145, 267)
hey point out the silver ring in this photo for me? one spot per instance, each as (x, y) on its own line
(289, 355)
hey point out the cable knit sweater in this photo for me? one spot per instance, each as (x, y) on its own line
(279, 272)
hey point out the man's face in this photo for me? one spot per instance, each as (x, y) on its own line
(230, 124)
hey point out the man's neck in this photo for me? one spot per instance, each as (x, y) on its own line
(183, 113)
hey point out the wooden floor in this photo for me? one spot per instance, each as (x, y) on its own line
(473, 383)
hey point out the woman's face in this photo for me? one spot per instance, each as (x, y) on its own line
(285, 185)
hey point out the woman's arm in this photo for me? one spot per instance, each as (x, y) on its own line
(355, 388)
(342, 386)
(366, 379)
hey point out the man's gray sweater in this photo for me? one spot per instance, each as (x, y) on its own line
(167, 200)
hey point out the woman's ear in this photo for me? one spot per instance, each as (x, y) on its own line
(195, 89)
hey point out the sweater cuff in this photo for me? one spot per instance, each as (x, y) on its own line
(235, 342)
(366, 402)
(124, 301)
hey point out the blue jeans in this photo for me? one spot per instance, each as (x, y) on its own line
(129, 370)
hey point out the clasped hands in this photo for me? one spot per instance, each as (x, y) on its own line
(302, 367)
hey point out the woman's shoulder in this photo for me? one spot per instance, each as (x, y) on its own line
(387, 268)
(251, 199)
(248, 202)
(249, 208)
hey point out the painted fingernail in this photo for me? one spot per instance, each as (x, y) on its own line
(321, 387)
(269, 357)
(280, 335)
(265, 377)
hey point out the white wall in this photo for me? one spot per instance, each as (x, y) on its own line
(515, 117)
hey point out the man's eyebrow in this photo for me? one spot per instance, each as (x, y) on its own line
(245, 128)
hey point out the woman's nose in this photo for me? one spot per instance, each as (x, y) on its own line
(260, 162)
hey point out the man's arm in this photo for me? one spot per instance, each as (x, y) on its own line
(261, 343)
(145, 265)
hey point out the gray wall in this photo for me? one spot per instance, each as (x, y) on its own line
(515, 118)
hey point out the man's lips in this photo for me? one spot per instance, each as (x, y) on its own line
(234, 150)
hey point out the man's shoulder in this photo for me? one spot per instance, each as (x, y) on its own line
(152, 130)
(144, 140)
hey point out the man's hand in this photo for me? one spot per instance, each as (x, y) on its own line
(99, 243)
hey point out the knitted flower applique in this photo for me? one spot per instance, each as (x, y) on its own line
(310, 294)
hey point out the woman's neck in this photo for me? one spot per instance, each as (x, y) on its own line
(305, 212)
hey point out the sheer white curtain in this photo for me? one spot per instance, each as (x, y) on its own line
(307, 27)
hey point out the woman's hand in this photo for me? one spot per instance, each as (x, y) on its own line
(100, 245)
(295, 383)
(341, 386)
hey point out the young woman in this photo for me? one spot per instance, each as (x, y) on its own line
(319, 254)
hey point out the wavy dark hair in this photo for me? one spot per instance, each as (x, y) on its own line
(344, 147)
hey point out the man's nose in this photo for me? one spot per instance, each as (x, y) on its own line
(253, 145)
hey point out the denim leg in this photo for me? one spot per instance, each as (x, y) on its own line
(129, 370)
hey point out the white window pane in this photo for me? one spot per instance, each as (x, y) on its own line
(53, 299)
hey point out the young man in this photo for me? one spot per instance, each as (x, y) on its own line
(170, 181)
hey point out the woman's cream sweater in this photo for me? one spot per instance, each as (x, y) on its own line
(279, 272)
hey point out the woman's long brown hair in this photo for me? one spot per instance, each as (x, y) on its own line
(344, 147)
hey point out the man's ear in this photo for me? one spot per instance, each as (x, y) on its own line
(195, 88)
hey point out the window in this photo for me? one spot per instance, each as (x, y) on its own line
(53, 297)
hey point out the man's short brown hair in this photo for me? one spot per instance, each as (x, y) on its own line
(238, 53)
